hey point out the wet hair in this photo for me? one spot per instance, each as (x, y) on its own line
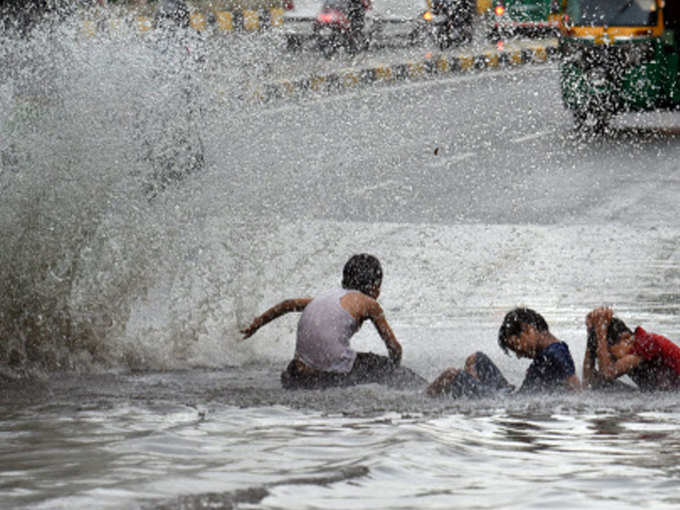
(512, 325)
(616, 328)
(362, 272)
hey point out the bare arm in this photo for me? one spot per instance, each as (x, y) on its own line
(620, 367)
(590, 374)
(597, 322)
(377, 316)
(289, 305)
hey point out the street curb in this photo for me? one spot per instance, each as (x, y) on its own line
(430, 67)
(249, 20)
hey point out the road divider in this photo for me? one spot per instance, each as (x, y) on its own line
(431, 66)
(245, 20)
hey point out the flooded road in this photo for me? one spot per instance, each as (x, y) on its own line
(204, 439)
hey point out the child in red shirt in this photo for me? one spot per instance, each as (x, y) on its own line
(652, 361)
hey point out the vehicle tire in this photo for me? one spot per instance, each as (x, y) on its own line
(444, 40)
(293, 43)
(591, 120)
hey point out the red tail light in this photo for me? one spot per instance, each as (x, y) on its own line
(288, 5)
(499, 10)
(326, 17)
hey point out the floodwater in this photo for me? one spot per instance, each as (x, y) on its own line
(140, 233)
(233, 439)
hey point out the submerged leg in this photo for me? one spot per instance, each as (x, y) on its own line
(373, 368)
(464, 385)
(480, 366)
(456, 383)
(297, 376)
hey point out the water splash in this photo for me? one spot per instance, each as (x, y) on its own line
(101, 144)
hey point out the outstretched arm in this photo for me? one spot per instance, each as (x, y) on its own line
(289, 305)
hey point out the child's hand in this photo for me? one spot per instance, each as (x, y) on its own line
(250, 330)
(599, 318)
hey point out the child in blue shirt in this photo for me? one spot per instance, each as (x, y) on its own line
(526, 333)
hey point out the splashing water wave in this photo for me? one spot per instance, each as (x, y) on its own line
(100, 140)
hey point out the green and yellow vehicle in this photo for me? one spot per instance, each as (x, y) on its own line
(619, 56)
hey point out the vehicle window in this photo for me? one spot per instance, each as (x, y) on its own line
(612, 12)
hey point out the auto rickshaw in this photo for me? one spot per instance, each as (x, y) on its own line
(619, 56)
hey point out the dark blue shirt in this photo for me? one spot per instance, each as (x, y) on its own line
(549, 370)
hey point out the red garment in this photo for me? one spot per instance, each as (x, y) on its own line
(650, 346)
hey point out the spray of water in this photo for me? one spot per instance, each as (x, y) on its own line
(102, 158)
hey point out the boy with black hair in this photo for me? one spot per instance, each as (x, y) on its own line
(515, 321)
(323, 356)
(526, 333)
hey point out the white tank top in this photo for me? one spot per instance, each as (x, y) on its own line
(323, 334)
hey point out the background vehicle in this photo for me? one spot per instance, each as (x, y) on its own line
(341, 24)
(535, 18)
(449, 22)
(619, 56)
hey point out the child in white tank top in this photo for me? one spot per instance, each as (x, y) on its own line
(323, 356)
